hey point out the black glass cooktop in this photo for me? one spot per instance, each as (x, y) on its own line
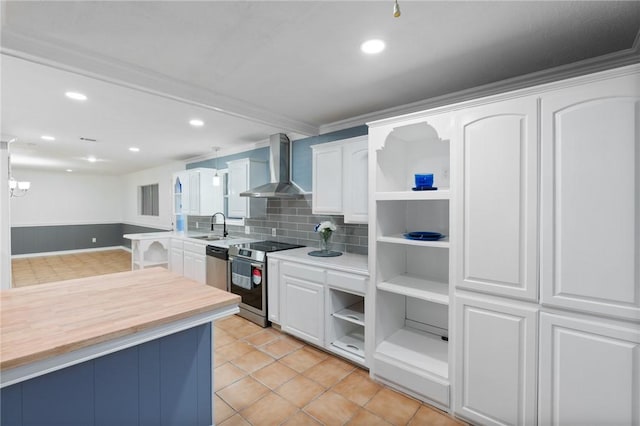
(268, 246)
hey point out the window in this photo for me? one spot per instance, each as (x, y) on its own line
(148, 204)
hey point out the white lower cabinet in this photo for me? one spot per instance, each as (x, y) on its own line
(319, 304)
(496, 359)
(345, 318)
(176, 261)
(189, 260)
(303, 297)
(589, 371)
(341, 313)
(273, 290)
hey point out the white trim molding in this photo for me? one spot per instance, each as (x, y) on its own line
(550, 75)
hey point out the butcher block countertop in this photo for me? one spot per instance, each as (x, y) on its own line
(48, 320)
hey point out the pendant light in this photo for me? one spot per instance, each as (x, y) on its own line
(396, 10)
(216, 176)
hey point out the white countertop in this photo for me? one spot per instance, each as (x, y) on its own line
(149, 235)
(349, 262)
(189, 236)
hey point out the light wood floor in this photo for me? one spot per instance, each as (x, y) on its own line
(263, 376)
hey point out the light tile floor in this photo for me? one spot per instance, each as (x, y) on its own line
(43, 269)
(263, 376)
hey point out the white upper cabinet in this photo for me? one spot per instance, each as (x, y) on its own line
(181, 192)
(498, 150)
(340, 179)
(590, 198)
(243, 175)
(327, 179)
(194, 193)
(356, 188)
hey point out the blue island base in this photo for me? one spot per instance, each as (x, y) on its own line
(167, 381)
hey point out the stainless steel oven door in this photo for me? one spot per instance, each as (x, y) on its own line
(247, 280)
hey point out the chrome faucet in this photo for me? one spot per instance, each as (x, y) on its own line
(224, 223)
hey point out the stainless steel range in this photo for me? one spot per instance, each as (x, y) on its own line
(248, 277)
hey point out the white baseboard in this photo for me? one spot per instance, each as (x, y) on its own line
(63, 252)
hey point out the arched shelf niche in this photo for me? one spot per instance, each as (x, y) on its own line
(421, 147)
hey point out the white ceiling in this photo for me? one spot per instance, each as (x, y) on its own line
(253, 68)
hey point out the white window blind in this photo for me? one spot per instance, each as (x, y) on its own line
(148, 200)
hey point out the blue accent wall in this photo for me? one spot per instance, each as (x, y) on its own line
(301, 154)
(258, 154)
(159, 383)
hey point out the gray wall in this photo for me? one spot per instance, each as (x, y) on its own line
(294, 224)
(292, 218)
(41, 239)
(135, 229)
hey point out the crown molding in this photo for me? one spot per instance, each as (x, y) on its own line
(126, 75)
(61, 56)
(576, 69)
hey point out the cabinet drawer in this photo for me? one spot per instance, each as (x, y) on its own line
(307, 273)
(177, 244)
(348, 282)
(194, 247)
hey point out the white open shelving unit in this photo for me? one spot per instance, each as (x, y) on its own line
(346, 325)
(147, 253)
(417, 287)
(411, 278)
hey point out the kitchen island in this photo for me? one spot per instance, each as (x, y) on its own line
(127, 348)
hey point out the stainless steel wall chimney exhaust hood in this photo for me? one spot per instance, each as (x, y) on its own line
(279, 167)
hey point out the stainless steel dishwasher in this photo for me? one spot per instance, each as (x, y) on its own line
(217, 267)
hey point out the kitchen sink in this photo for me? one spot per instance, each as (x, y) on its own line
(209, 237)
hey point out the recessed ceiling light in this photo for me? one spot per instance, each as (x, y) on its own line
(92, 159)
(134, 149)
(69, 170)
(196, 123)
(371, 47)
(76, 96)
(47, 138)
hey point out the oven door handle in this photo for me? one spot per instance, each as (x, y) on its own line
(255, 265)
